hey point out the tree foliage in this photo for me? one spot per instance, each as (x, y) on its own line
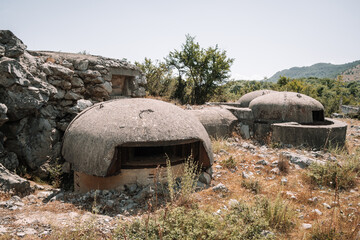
(200, 71)
(158, 75)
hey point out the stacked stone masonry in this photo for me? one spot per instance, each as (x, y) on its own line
(41, 92)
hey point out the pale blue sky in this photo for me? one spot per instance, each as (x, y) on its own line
(263, 36)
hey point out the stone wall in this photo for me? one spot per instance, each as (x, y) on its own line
(41, 92)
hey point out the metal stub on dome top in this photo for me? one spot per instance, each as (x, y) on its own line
(298, 95)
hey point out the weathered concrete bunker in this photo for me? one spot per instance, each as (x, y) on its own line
(218, 121)
(245, 100)
(294, 118)
(283, 117)
(123, 141)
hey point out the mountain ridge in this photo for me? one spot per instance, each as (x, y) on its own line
(350, 71)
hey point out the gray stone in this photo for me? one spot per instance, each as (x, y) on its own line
(14, 47)
(306, 226)
(326, 205)
(107, 86)
(81, 65)
(33, 140)
(275, 171)
(98, 92)
(313, 199)
(301, 161)
(77, 82)
(67, 64)
(70, 95)
(317, 211)
(11, 72)
(2, 51)
(81, 104)
(110, 203)
(291, 195)
(144, 193)
(49, 112)
(9, 161)
(65, 85)
(220, 188)
(66, 167)
(91, 76)
(3, 111)
(61, 72)
(267, 233)
(205, 178)
(10, 181)
(65, 103)
(233, 203)
(262, 162)
(247, 175)
(22, 102)
(131, 187)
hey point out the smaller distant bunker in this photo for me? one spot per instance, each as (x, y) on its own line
(123, 141)
(283, 117)
(287, 107)
(245, 100)
(218, 121)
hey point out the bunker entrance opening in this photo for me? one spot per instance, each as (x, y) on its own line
(120, 85)
(137, 156)
(318, 116)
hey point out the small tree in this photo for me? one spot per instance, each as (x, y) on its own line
(158, 76)
(203, 70)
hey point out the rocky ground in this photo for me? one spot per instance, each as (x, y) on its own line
(47, 210)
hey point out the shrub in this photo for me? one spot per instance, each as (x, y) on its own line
(252, 185)
(332, 175)
(279, 214)
(218, 144)
(229, 162)
(187, 183)
(284, 166)
(173, 223)
(55, 172)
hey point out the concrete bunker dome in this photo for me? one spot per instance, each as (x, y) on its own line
(287, 107)
(245, 100)
(117, 136)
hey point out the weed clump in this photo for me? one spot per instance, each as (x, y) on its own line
(332, 175)
(229, 163)
(187, 183)
(241, 221)
(252, 185)
(284, 166)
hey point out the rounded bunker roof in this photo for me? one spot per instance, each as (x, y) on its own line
(91, 138)
(245, 100)
(285, 107)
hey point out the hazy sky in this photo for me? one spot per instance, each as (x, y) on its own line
(264, 36)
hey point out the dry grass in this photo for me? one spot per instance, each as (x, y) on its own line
(284, 216)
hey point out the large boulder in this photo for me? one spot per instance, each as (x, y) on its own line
(10, 45)
(23, 101)
(11, 72)
(12, 182)
(34, 140)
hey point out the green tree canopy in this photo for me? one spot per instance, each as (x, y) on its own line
(203, 70)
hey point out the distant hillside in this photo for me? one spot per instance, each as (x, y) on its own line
(322, 70)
